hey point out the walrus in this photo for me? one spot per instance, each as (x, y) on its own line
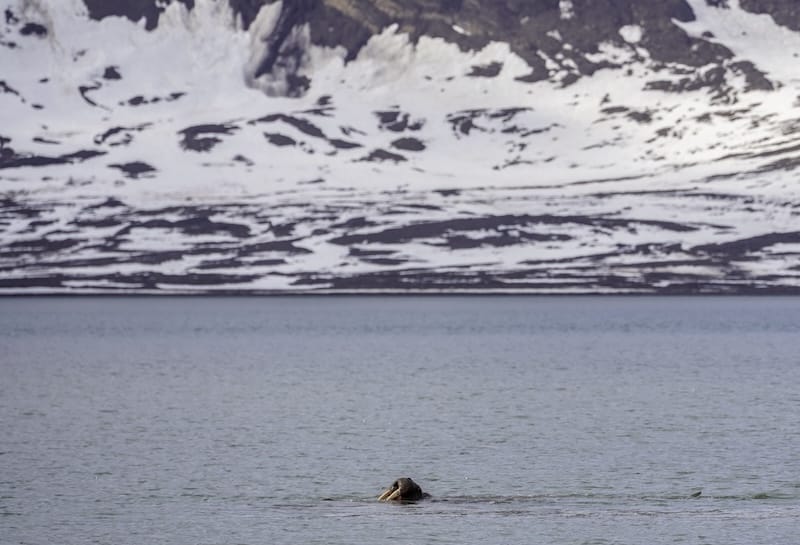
(403, 489)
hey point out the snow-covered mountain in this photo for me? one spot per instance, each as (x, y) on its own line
(546, 146)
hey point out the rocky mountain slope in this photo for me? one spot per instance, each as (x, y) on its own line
(612, 146)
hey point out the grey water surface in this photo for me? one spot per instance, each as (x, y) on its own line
(570, 420)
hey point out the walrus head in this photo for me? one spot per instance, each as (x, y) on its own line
(403, 489)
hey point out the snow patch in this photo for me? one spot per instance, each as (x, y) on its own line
(567, 9)
(631, 33)
(773, 48)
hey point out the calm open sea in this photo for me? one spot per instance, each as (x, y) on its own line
(279, 420)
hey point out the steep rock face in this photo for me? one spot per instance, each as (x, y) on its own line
(783, 12)
(535, 30)
(557, 38)
(529, 26)
(135, 10)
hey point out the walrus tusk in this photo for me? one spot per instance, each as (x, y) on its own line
(405, 490)
(386, 494)
(396, 495)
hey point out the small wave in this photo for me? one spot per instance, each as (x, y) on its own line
(773, 495)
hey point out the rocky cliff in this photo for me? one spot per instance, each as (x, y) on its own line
(534, 29)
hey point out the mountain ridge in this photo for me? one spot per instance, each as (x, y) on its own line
(532, 29)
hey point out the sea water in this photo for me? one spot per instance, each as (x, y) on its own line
(569, 420)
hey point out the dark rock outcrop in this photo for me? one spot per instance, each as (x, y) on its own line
(565, 33)
(786, 13)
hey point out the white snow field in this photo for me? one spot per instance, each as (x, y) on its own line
(154, 161)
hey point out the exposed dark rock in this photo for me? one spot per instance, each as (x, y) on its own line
(219, 264)
(385, 261)
(740, 247)
(292, 14)
(134, 169)
(397, 121)
(787, 163)
(712, 79)
(119, 136)
(408, 144)
(139, 100)
(198, 225)
(614, 110)
(84, 90)
(531, 28)
(21, 160)
(756, 79)
(641, 117)
(13, 208)
(343, 144)
(39, 246)
(504, 238)
(282, 246)
(354, 223)
(243, 159)
(82, 155)
(358, 252)
(783, 12)
(282, 230)
(31, 281)
(154, 280)
(111, 73)
(297, 85)
(490, 70)
(380, 155)
(277, 139)
(33, 29)
(302, 125)
(6, 155)
(5, 88)
(11, 19)
(96, 223)
(197, 138)
(40, 140)
(149, 10)
(464, 122)
(266, 262)
(419, 206)
(498, 224)
(110, 202)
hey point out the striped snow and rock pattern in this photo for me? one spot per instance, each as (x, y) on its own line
(340, 145)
